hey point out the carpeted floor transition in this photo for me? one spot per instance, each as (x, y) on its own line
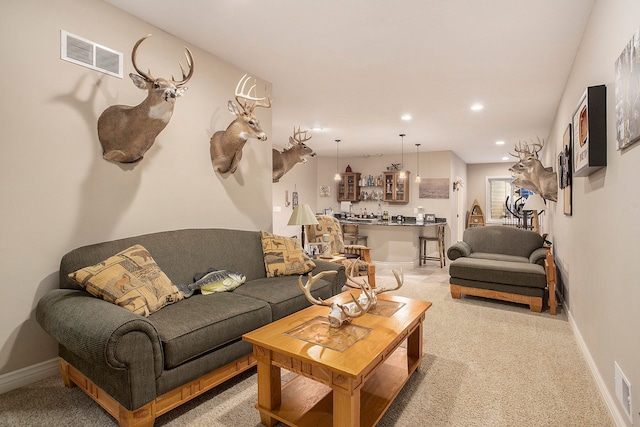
(486, 363)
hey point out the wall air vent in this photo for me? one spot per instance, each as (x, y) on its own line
(89, 54)
(623, 390)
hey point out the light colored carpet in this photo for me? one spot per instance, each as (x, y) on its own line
(486, 363)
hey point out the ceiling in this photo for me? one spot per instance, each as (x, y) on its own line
(354, 67)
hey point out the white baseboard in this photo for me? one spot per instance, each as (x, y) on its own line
(617, 416)
(29, 375)
(406, 265)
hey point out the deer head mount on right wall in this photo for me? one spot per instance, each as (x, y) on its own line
(529, 173)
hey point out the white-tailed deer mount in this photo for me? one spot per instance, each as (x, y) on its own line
(125, 132)
(226, 146)
(529, 173)
(293, 154)
(344, 313)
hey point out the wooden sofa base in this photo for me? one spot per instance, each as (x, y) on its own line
(534, 303)
(146, 415)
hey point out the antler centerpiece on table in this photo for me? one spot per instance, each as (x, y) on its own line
(344, 313)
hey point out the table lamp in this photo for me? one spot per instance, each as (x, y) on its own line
(302, 215)
(534, 203)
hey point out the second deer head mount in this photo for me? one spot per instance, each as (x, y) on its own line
(126, 133)
(293, 154)
(226, 146)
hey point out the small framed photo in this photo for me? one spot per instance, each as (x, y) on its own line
(325, 191)
(429, 217)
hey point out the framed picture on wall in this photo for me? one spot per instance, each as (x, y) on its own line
(565, 170)
(589, 132)
(325, 191)
(628, 94)
(434, 188)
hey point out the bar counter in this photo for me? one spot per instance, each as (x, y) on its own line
(393, 244)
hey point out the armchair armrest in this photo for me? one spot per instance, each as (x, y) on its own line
(538, 256)
(458, 249)
(362, 251)
(97, 330)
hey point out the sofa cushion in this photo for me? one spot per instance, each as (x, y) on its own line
(283, 256)
(284, 294)
(498, 257)
(202, 323)
(505, 272)
(130, 279)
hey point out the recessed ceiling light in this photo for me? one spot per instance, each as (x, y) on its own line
(499, 142)
(477, 107)
(505, 158)
(406, 117)
(317, 129)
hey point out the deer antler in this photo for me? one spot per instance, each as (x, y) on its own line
(296, 135)
(185, 77)
(399, 280)
(307, 288)
(257, 102)
(525, 150)
(150, 78)
(352, 312)
(351, 278)
(134, 53)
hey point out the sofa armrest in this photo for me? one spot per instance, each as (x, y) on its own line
(458, 249)
(97, 330)
(538, 256)
(339, 279)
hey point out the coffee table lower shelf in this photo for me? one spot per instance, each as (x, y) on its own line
(306, 402)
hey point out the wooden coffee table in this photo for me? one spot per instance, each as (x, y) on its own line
(347, 376)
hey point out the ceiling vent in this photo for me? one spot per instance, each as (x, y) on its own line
(89, 54)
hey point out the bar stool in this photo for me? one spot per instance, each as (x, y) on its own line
(439, 238)
(351, 235)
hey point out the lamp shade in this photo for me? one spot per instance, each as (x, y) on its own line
(302, 215)
(534, 203)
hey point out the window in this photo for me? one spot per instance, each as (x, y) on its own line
(498, 189)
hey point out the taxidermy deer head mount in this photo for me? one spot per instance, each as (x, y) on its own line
(529, 173)
(126, 133)
(293, 154)
(226, 146)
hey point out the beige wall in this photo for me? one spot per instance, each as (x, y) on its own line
(597, 248)
(302, 178)
(478, 175)
(58, 193)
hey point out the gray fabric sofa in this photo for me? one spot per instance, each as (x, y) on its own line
(138, 368)
(499, 262)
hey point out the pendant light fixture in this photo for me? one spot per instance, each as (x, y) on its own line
(337, 175)
(403, 174)
(418, 162)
